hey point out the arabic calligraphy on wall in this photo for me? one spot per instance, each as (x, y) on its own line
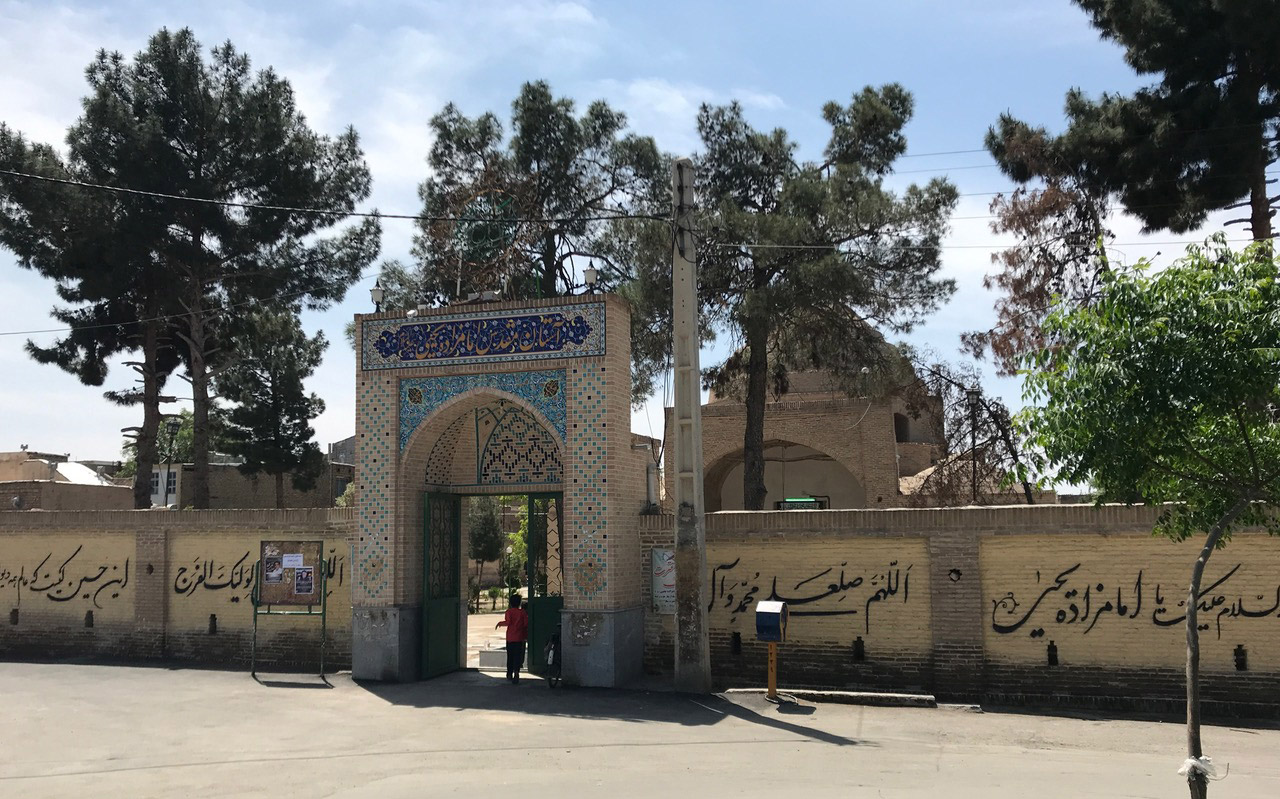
(79, 575)
(1072, 598)
(235, 577)
(565, 331)
(865, 587)
(1122, 600)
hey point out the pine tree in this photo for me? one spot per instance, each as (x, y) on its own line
(173, 122)
(1199, 139)
(97, 247)
(808, 262)
(269, 423)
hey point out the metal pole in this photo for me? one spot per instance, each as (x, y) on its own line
(773, 671)
(253, 601)
(693, 650)
(324, 606)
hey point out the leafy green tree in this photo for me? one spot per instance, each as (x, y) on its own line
(270, 423)
(515, 560)
(1164, 390)
(806, 262)
(171, 121)
(1199, 139)
(176, 447)
(485, 540)
(347, 499)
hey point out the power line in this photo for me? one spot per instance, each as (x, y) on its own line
(318, 211)
(833, 247)
(170, 317)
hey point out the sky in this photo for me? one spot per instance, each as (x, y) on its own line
(386, 67)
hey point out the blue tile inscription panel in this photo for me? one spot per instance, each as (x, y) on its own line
(568, 331)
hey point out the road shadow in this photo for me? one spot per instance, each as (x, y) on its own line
(1172, 716)
(474, 690)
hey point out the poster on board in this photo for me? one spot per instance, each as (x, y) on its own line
(663, 574)
(290, 572)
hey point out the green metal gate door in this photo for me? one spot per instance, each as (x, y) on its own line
(441, 590)
(546, 575)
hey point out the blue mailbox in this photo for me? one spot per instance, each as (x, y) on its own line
(771, 621)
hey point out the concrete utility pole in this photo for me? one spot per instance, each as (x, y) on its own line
(693, 650)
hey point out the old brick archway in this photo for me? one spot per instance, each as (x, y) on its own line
(501, 397)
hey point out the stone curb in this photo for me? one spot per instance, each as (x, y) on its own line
(868, 698)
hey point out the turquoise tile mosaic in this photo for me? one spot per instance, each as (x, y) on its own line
(568, 331)
(588, 489)
(375, 451)
(543, 389)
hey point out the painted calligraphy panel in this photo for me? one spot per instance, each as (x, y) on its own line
(836, 591)
(1120, 600)
(67, 575)
(569, 331)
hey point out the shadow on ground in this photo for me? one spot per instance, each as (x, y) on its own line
(1178, 716)
(481, 691)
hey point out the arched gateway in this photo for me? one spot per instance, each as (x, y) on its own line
(502, 398)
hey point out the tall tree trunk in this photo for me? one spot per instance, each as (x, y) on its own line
(279, 489)
(145, 453)
(1198, 782)
(547, 284)
(1259, 203)
(199, 400)
(753, 487)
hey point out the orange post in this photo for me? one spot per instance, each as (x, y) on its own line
(773, 671)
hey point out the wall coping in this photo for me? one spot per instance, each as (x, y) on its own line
(1004, 519)
(24, 520)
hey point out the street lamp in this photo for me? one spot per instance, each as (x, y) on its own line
(376, 294)
(591, 276)
(171, 425)
(973, 396)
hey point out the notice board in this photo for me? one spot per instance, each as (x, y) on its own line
(292, 573)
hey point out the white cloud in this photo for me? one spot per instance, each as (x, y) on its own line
(765, 101)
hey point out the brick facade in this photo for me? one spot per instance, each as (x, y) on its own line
(858, 434)
(988, 590)
(140, 585)
(57, 495)
(962, 603)
(230, 489)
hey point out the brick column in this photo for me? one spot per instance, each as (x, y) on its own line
(151, 600)
(956, 611)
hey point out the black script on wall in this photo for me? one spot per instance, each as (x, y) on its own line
(838, 590)
(1071, 597)
(63, 579)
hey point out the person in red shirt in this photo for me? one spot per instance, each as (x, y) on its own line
(517, 623)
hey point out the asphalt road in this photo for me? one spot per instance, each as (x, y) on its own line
(107, 731)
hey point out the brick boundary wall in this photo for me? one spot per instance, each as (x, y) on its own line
(176, 614)
(964, 660)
